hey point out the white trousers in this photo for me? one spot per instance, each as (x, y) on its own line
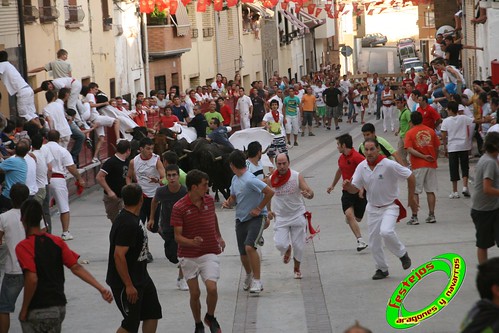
(291, 232)
(372, 103)
(245, 121)
(381, 225)
(26, 103)
(387, 116)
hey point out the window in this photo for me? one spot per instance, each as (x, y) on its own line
(160, 83)
(107, 21)
(73, 14)
(30, 12)
(112, 88)
(429, 19)
(48, 11)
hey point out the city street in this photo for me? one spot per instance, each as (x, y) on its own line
(336, 288)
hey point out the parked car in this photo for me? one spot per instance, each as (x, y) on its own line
(374, 39)
(406, 51)
(409, 63)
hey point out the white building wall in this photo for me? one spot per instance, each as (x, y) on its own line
(486, 36)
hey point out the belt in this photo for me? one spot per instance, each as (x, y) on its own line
(383, 205)
(58, 175)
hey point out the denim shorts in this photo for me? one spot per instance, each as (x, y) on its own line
(12, 285)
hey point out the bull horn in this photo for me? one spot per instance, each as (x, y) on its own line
(187, 151)
(150, 130)
(179, 132)
(129, 131)
(218, 158)
(170, 138)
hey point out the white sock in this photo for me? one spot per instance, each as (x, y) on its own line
(465, 189)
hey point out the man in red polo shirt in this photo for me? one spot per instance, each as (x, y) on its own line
(354, 205)
(431, 118)
(199, 242)
(226, 112)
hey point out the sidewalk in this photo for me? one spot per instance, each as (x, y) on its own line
(336, 288)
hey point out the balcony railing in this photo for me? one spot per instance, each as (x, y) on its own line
(74, 15)
(107, 23)
(48, 14)
(163, 41)
(31, 14)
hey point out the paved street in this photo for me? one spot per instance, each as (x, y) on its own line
(380, 59)
(336, 288)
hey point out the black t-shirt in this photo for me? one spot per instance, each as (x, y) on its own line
(180, 112)
(258, 107)
(127, 230)
(199, 123)
(167, 199)
(116, 171)
(454, 51)
(332, 96)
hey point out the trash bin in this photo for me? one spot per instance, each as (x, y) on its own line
(495, 71)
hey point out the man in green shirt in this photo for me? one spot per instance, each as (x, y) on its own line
(212, 113)
(290, 114)
(405, 125)
(386, 148)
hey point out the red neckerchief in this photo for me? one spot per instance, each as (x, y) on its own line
(194, 100)
(219, 84)
(375, 81)
(440, 73)
(380, 157)
(278, 180)
(275, 116)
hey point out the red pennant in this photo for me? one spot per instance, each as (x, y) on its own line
(231, 3)
(366, 5)
(311, 8)
(218, 5)
(371, 12)
(327, 7)
(284, 5)
(186, 2)
(318, 11)
(173, 6)
(247, 1)
(355, 5)
(381, 10)
(330, 15)
(298, 7)
(201, 7)
(341, 6)
(146, 6)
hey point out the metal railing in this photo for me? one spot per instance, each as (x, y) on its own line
(73, 14)
(48, 14)
(31, 14)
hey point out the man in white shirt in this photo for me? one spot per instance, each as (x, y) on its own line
(277, 97)
(44, 160)
(16, 86)
(72, 84)
(321, 105)
(31, 170)
(63, 162)
(244, 107)
(218, 85)
(56, 116)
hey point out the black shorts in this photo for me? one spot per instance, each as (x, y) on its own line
(308, 118)
(170, 245)
(147, 306)
(487, 227)
(457, 158)
(249, 232)
(353, 200)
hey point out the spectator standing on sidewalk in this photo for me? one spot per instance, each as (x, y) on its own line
(308, 108)
(199, 241)
(423, 145)
(289, 210)
(251, 196)
(383, 208)
(290, 113)
(485, 199)
(333, 99)
(42, 257)
(132, 287)
(404, 126)
(354, 205)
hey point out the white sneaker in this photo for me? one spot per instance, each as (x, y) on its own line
(66, 236)
(247, 281)
(361, 245)
(182, 284)
(256, 287)
(454, 195)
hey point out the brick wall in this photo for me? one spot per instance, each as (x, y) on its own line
(166, 67)
(164, 38)
(229, 45)
(444, 12)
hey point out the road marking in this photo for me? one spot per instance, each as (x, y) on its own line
(391, 68)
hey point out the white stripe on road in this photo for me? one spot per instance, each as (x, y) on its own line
(391, 68)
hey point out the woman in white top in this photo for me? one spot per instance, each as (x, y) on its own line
(387, 98)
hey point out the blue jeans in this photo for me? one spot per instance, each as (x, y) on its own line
(378, 106)
(78, 138)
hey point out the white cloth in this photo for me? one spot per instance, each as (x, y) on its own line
(381, 225)
(62, 158)
(144, 171)
(243, 107)
(494, 128)
(55, 110)
(31, 174)
(12, 227)
(388, 117)
(449, 77)
(59, 190)
(26, 103)
(43, 159)
(294, 234)
(11, 78)
(458, 132)
(214, 86)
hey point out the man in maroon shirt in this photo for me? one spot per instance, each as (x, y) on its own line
(354, 205)
(431, 118)
(226, 112)
(199, 242)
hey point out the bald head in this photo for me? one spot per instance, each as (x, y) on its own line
(282, 163)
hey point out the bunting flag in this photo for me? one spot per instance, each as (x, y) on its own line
(367, 5)
(327, 7)
(371, 12)
(381, 10)
(318, 11)
(330, 15)
(218, 5)
(346, 12)
(201, 7)
(311, 8)
(341, 6)
(298, 7)
(146, 6)
(284, 5)
(231, 3)
(173, 7)
(355, 6)
(247, 1)
(186, 2)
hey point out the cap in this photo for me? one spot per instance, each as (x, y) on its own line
(160, 92)
(400, 99)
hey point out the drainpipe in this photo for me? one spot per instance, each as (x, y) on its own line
(463, 32)
(217, 42)
(145, 52)
(23, 64)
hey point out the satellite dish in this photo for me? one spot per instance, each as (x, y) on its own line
(445, 30)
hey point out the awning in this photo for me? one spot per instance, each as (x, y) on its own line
(311, 21)
(260, 10)
(181, 20)
(295, 21)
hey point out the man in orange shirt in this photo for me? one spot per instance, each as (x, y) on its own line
(308, 108)
(431, 118)
(422, 144)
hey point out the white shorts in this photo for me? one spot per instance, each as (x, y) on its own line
(208, 266)
(59, 190)
(64, 141)
(103, 121)
(26, 103)
(426, 179)
(292, 124)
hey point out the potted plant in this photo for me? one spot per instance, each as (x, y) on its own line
(157, 17)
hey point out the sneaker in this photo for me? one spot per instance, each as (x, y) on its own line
(88, 143)
(431, 219)
(199, 328)
(66, 236)
(380, 274)
(413, 221)
(95, 160)
(466, 192)
(311, 134)
(212, 324)
(289, 143)
(297, 275)
(302, 134)
(149, 257)
(256, 287)
(182, 284)
(247, 281)
(337, 128)
(361, 245)
(328, 128)
(406, 261)
(454, 195)
(295, 144)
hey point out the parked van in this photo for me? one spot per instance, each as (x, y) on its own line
(406, 48)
